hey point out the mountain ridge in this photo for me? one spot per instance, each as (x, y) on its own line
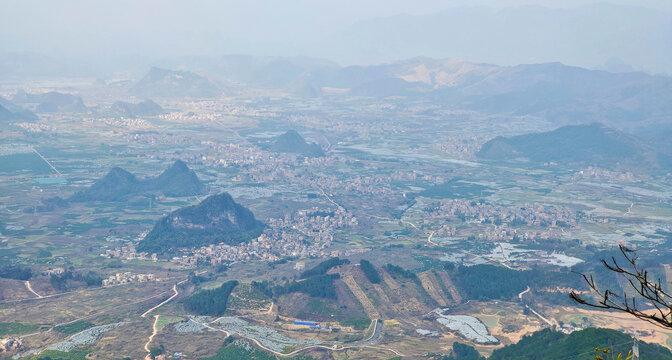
(159, 82)
(176, 181)
(218, 218)
(292, 142)
(574, 145)
(133, 110)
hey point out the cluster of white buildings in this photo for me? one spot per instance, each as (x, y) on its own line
(127, 278)
(128, 252)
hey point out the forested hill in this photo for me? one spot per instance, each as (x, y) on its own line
(114, 186)
(216, 219)
(24, 115)
(178, 180)
(131, 110)
(292, 142)
(164, 83)
(552, 345)
(581, 145)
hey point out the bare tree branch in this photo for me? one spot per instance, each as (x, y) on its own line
(659, 301)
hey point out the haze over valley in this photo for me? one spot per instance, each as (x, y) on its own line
(306, 180)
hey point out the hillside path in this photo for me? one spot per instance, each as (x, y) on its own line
(31, 289)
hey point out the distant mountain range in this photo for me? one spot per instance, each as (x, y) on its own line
(131, 110)
(170, 83)
(260, 71)
(178, 180)
(560, 93)
(577, 145)
(586, 35)
(563, 94)
(292, 142)
(217, 219)
(51, 102)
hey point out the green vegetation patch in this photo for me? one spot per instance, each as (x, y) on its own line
(61, 355)
(398, 272)
(357, 324)
(315, 286)
(210, 302)
(490, 282)
(323, 267)
(16, 328)
(16, 272)
(370, 271)
(73, 328)
(548, 344)
(60, 282)
(165, 320)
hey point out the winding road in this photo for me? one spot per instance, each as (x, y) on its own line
(156, 317)
(165, 301)
(520, 297)
(31, 289)
(151, 337)
(375, 336)
(429, 238)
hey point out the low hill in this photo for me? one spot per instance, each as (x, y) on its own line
(258, 71)
(169, 83)
(12, 112)
(592, 144)
(112, 187)
(7, 115)
(178, 180)
(292, 142)
(217, 219)
(551, 345)
(52, 101)
(131, 110)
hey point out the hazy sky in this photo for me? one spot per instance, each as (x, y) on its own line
(145, 30)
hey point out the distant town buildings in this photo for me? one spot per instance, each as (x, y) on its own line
(126, 278)
(307, 233)
(54, 271)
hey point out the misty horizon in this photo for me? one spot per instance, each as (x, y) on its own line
(330, 180)
(129, 35)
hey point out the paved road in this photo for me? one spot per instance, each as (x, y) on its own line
(377, 333)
